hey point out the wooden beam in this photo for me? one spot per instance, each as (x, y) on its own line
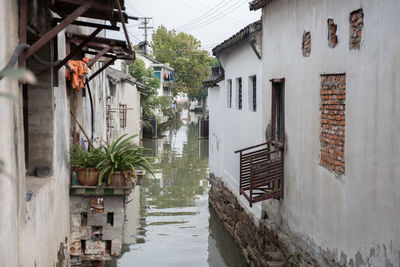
(121, 16)
(53, 32)
(96, 57)
(90, 24)
(102, 68)
(77, 49)
(23, 21)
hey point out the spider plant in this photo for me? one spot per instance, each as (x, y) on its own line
(81, 158)
(122, 156)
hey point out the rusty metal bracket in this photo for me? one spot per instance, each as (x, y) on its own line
(96, 57)
(121, 16)
(111, 61)
(53, 32)
(77, 49)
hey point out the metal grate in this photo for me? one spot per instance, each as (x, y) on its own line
(261, 172)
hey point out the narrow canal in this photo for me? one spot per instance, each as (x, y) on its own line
(174, 225)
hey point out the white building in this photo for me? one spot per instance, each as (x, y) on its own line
(163, 72)
(37, 128)
(329, 94)
(123, 105)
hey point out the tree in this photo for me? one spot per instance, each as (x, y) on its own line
(182, 52)
(145, 76)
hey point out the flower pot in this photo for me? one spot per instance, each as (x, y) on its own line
(88, 177)
(117, 180)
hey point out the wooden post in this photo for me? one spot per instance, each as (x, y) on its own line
(74, 105)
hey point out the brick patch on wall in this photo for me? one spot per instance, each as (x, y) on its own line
(356, 25)
(332, 37)
(306, 44)
(333, 121)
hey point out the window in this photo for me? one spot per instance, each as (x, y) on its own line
(252, 93)
(278, 110)
(229, 94)
(239, 92)
(158, 75)
(122, 115)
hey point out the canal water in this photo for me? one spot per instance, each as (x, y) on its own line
(174, 225)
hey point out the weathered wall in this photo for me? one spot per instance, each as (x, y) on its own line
(352, 218)
(44, 228)
(10, 183)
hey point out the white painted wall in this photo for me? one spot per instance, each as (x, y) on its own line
(125, 93)
(10, 179)
(230, 128)
(131, 97)
(357, 213)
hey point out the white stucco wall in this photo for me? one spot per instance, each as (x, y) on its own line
(356, 214)
(232, 129)
(131, 97)
(10, 184)
(32, 230)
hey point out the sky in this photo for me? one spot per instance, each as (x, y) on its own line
(210, 21)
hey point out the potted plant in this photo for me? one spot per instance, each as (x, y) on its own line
(120, 160)
(86, 163)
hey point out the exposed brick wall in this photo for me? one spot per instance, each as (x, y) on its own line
(306, 45)
(332, 37)
(333, 121)
(356, 25)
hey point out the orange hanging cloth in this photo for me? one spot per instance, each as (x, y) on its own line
(76, 75)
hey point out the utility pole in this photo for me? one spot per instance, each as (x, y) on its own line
(145, 22)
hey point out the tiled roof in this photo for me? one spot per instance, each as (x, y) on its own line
(217, 75)
(257, 4)
(241, 35)
(116, 76)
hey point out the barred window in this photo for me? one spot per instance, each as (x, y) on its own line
(252, 93)
(122, 115)
(239, 92)
(229, 94)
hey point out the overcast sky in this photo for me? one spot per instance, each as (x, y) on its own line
(210, 21)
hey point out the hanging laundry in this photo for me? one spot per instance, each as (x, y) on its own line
(75, 72)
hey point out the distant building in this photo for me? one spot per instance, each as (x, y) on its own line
(123, 105)
(163, 72)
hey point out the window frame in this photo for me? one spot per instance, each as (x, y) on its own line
(239, 86)
(123, 112)
(278, 116)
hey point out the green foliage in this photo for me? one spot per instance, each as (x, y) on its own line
(182, 51)
(1, 166)
(85, 159)
(123, 156)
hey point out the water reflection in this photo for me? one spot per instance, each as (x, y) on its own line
(173, 226)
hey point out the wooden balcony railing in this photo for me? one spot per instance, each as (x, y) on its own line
(261, 172)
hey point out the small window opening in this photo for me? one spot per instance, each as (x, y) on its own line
(108, 246)
(239, 92)
(84, 218)
(123, 110)
(278, 110)
(110, 218)
(229, 94)
(97, 205)
(97, 233)
(83, 246)
(252, 93)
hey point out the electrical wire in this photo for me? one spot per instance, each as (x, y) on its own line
(227, 19)
(204, 16)
(227, 11)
